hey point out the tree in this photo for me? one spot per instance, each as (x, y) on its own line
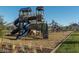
(2, 26)
(74, 27)
(55, 26)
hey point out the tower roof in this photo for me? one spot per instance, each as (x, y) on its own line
(40, 8)
(28, 9)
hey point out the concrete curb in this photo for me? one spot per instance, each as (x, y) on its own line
(54, 50)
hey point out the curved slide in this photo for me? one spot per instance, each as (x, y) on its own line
(23, 31)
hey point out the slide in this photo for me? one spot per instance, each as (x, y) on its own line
(16, 24)
(15, 31)
(22, 31)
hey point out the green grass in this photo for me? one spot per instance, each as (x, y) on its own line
(71, 45)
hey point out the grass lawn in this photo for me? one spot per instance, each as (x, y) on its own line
(71, 45)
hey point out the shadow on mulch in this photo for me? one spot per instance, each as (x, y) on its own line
(71, 42)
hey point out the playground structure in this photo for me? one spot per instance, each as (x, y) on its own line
(29, 24)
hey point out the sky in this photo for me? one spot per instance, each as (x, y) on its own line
(64, 15)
